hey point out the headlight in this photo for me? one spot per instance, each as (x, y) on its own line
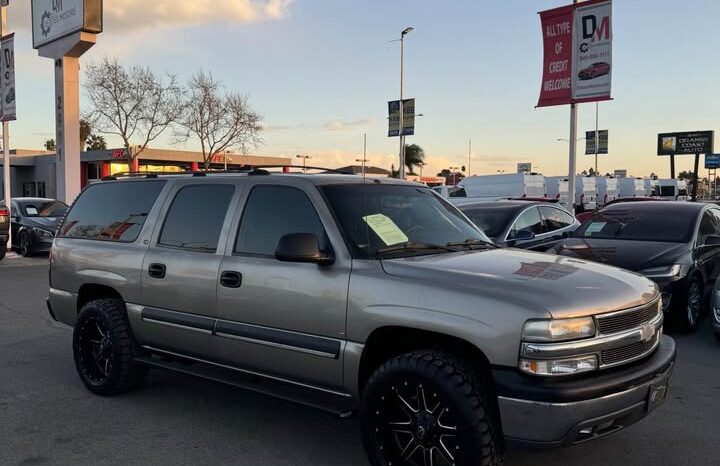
(42, 233)
(559, 366)
(554, 330)
(666, 271)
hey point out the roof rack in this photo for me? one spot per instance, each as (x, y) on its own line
(252, 170)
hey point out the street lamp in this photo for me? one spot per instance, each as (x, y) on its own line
(454, 172)
(421, 165)
(305, 158)
(363, 161)
(567, 140)
(405, 32)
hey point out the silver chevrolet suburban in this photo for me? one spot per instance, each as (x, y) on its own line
(348, 293)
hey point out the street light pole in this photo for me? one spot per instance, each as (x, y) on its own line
(402, 107)
(304, 159)
(6, 134)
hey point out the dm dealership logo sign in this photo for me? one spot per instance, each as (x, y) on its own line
(54, 19)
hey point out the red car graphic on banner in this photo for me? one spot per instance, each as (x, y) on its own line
(594, 71)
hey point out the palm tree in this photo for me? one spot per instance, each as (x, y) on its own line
(414, 156)
(96, 142)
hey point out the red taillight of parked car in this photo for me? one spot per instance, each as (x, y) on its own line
(4, 213)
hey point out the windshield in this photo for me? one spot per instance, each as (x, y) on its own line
(492, 220)
(43, 208)
(639, 225)
(373, 217)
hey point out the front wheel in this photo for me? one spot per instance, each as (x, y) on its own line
(427, 409)
(689, 310)
(104, 348)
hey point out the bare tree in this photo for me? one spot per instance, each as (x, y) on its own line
(135, 104)
(218, 119)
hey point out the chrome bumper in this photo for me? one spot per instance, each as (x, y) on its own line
(532, 422)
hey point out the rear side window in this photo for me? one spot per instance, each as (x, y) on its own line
(556, 219)
(196, 217)
(112, 211)
(273, 212)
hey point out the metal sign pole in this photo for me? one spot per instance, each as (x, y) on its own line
(597, 135)
(672, 166)
(695, 178)
(572, 169)
(6, 133)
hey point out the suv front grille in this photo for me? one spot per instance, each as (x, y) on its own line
(629, 352)
(622, 321)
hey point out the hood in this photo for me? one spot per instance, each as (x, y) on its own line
(46, 223)
(631, 255)
(560, 286)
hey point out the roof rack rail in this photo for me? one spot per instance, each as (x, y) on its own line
(251, 170)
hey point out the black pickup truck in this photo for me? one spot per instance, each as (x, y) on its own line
(4, 228)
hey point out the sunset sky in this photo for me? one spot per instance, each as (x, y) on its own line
(321, 73)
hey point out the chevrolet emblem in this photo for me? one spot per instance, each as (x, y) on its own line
(647, 332)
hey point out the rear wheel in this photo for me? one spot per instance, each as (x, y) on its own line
(104, 348)
(427, 409)
(25, 243)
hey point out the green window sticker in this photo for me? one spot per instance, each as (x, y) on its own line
(385, 228)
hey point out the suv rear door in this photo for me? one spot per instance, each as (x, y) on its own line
(180, 269)
(287, 319)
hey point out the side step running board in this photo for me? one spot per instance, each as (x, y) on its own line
(336, 404)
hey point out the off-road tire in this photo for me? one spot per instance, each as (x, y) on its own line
(123, 373)
(479, 438)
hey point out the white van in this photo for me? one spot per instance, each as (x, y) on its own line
(504, 186)
(557, 188)
(651, 187)
(675, 190)
(607, 190)
(585, 192)
(632, 187)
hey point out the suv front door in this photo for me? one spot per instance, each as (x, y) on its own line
(285, 319)
(180, 271)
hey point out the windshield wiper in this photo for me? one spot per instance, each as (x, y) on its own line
(411, 246)
(472, 242)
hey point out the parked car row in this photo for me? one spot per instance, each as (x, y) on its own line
(32, 223)
(675, 244)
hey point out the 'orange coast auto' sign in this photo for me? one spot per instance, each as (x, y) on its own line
(577, 65)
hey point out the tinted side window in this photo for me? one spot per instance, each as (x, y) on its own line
(272, 212)
(529, 220)
(708, 227)
(112, 211)
(555, 219)
(196, 217)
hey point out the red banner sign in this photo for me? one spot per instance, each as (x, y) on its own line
(557, 28)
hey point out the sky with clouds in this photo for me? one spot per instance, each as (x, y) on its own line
(321, 73)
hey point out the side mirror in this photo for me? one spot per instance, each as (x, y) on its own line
(712, 240)
(302, 247)
(524, 235)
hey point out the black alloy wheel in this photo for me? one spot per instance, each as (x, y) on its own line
(694, 304)
(25, 244)
(427, 408)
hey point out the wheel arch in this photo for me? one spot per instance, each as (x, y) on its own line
(94, 291)
(387, 342)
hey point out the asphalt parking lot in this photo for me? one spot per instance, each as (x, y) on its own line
(48, 418)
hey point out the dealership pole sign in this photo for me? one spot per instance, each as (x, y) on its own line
(408, 120)
(688, 143)
(602, 146)
(577, 45)
(55, 19)
(7, 69)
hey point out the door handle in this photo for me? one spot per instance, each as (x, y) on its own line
(230, 279)
(156, 270)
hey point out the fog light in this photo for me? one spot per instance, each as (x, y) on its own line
(559, 366)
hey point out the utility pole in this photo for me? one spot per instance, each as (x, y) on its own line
(6, 130)
(304, 159)
(469, 157)
(402, 107)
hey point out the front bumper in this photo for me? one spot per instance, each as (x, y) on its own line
(550, 412)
